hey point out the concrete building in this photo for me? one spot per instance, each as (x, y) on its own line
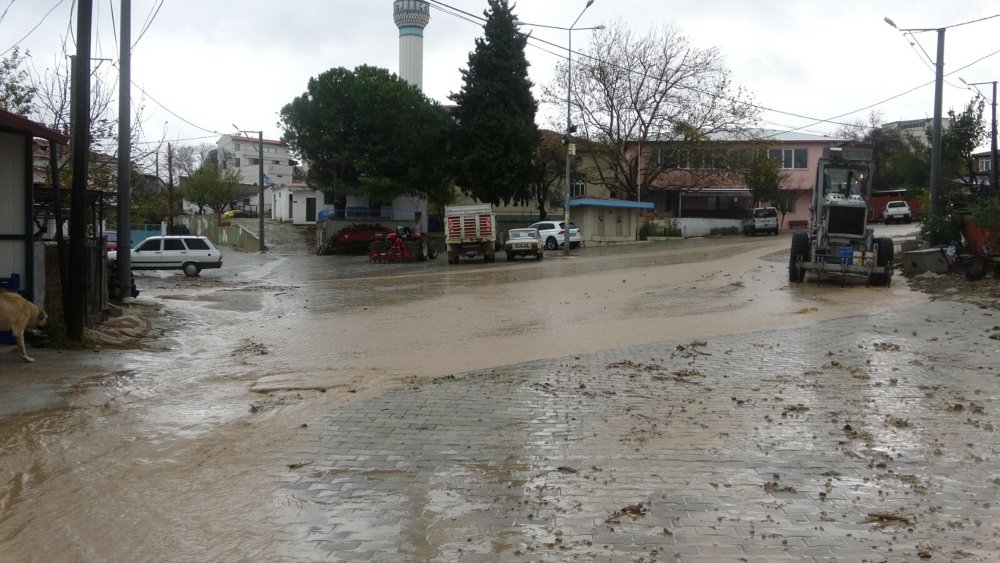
(916, 128)
(285, 198)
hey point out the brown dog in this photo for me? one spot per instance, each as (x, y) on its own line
(17, 314)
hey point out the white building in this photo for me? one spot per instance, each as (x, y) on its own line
(285, 199)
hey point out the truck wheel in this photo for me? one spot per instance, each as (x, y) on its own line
(453, 259)
(432, 251)
(884, 256)
(799, 252)
(510, 256)
(540, 255)
(191, 269)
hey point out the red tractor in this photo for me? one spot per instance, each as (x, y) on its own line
(402, 245)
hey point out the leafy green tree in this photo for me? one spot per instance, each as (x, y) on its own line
(16, 91)
(762, 176)
(369, 132)
(966, 131)
(149, 203)
(547, 170)
(497, 135)
(210, 187)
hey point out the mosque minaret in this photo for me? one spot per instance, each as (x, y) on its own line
(411, 18)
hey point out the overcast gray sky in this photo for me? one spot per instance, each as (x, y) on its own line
(210, 64)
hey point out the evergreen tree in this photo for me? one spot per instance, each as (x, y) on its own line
(497, 136)
(369, 132)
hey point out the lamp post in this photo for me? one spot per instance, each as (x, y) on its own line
(260, 196)
(994, 187)
(570, 129)
(936, 131)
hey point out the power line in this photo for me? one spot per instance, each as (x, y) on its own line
(149, 22)
(7, 9)
(171, 112)
(39, 24)
(814, 120)
(975, 21)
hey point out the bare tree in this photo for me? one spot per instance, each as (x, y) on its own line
(650, 104)
(190, 158)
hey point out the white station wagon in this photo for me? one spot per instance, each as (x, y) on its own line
(188, 253)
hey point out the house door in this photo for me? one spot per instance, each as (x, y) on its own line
(310, 210)
(291, 209)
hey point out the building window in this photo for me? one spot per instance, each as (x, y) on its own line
(236, 146)
(236, 162)
(790, 159)
(278, 162)
(984, 164)
(578, 188)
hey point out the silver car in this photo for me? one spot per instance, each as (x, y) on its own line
(523, 242)
(188, 253)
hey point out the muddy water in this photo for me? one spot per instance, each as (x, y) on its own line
(175, 449)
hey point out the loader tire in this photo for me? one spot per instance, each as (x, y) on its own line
(799, 253)
(884, 257)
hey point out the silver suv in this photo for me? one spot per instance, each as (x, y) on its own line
(188, 253)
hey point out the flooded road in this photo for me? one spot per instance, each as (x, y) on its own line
(175, 450)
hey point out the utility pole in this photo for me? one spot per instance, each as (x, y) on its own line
(125, 154)
(170, 189)
(994, 186)
(76, 307)
(260, 196)
(935, 201)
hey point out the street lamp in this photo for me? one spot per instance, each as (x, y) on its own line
(570, 129)
(936, 132)
(994, 187)
(260, 196)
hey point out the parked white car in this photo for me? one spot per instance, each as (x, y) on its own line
(897, 211)
(553, 234)
(761, 220)
(188, 253)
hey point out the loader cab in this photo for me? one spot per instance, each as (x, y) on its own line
(843, 176)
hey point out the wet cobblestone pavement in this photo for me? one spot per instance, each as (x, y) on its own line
(865, 439)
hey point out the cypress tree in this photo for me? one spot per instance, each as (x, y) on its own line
(497, 135)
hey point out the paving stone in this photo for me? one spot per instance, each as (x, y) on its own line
(815, 443)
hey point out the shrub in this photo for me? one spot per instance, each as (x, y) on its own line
(940, 229)
(652, 229)
(985, 214)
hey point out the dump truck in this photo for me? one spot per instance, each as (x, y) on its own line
(470, 231)
(839, 241)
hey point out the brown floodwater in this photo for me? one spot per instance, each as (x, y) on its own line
(172, 450)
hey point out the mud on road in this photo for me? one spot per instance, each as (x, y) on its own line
(175, 445)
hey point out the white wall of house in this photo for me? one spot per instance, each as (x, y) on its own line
(242, 154)
(296, 205)
(12, 221)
